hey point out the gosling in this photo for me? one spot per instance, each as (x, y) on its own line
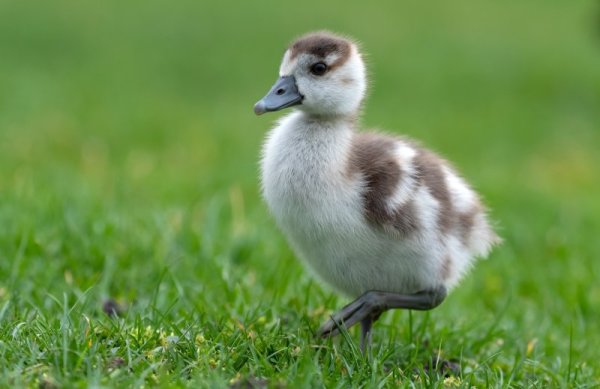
(379, 218)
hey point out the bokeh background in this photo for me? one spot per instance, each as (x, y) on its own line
(128, 171)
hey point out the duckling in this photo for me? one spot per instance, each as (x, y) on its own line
(379, 218)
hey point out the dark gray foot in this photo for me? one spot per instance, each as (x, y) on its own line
(365, 333)
(368, 307)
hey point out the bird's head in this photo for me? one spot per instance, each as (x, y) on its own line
(322, 74)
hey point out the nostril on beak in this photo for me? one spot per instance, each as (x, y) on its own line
(280, 91)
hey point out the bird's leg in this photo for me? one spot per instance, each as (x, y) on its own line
(365, 333)
(370, 305)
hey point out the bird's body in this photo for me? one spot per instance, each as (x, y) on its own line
(366, 211)
(412, 234)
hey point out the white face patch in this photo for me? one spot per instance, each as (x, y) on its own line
(331, 58)
(287, 64)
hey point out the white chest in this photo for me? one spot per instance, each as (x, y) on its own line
(304, 178)
(316, 204)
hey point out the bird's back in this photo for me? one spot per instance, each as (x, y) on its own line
(413, 195)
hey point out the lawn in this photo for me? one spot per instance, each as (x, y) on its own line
(128, 182)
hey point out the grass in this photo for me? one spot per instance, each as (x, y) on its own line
(128, 172)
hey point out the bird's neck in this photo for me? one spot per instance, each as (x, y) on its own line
(340, 122)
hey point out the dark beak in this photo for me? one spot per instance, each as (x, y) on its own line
(282, 95)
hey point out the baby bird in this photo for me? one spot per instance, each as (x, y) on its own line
(379, 218)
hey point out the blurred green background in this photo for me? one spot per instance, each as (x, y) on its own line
(128, 170)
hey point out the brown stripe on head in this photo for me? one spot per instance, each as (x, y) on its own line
(322, 44)
(429, 170)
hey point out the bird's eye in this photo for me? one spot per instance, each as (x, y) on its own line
(318, 69)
